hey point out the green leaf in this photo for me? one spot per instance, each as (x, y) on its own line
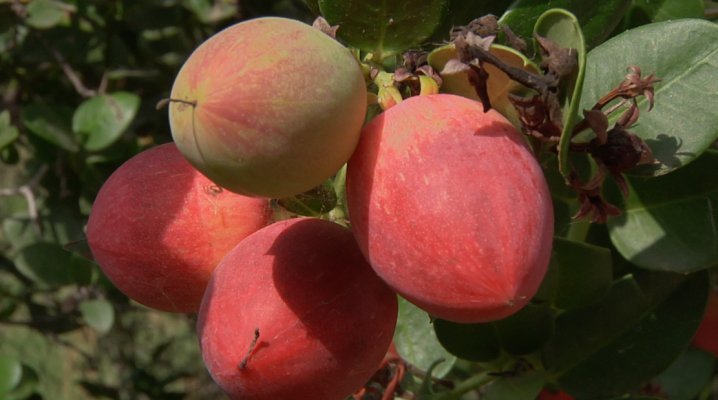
(670, 222)
(498, 86)
(643, 12)
(52, 122)
(101, 120)
(684, 53)
(27, 385)
(99, 314)
(383, 27)
(416, 341)
(8, 134)
(462, 12)
(10, 374)
(563, 28)
(522, 387)
(527, 330)
(209, 12)
(312, 203)
(630, 336)
(585, 273)
(596, 18)
(47, 264)
(688, 375)
(44, 14)
(473, 342)
(313, 6)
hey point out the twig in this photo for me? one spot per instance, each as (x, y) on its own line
(69, 72)
(26, 190)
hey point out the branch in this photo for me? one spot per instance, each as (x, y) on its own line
(26, 190)
(69, 72)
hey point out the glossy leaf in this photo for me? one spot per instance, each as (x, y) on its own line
(44, 14)
(498, 85)
(527, 330)
(596, 18)
(27, 385)
(383, 27)
(563, 28)
(473, 342)
(670, 222)
(630, 336)
(98, 314)
(416, 341)
(585, 273)
(51, 122)
(10, 374)
(688, 375)
(521, 387)
(101, 120)
(643, 12)
(684, 53)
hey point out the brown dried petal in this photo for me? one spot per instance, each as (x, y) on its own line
(429, 71)
(455, 66)
(629, 117)
(479, 41)
(477, 79)
(402, 74)
(413, 59)
(323, 25)
(561, 62)
(598, 122)
(515, 41)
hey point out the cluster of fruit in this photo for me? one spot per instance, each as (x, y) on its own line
(448, 208)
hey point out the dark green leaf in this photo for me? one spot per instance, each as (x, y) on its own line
(416, 341)
(462, 12)
(51, 122)
(527, 330)
(47, 264)
(99, 314)
(563, 28)
(9, 154)
(522, 387)
(101, 120)
(313, 6)
(688, 375)
(585, 273)
(44, 14)
(312, 203)
(596, 18)
(473, 342)
(383, 27)
(670, 222)
(644, 12)
(630, 336)
(683, 122)
(10, 374)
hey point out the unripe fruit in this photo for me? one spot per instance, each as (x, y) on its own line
(325, 320)
(158, 228)
(451, 208)
(277, 107)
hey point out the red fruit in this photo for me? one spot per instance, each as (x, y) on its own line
(325, 319)
(158, 228)
(548, 394)
(706, 337)
(451, 208)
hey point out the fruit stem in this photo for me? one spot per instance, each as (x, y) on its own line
(162, 103)
(466, 386)
(243, 364)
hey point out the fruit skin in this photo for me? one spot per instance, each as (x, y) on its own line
(548, 394)
(706, 337)
(158, 228)
(279, 107)
(451, 208)
(325, 319)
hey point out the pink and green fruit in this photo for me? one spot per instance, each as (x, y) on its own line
(269, 107)
(325, 320)
(451, 208)
(158, 228)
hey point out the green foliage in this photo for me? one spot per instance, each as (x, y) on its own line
(79, 83)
